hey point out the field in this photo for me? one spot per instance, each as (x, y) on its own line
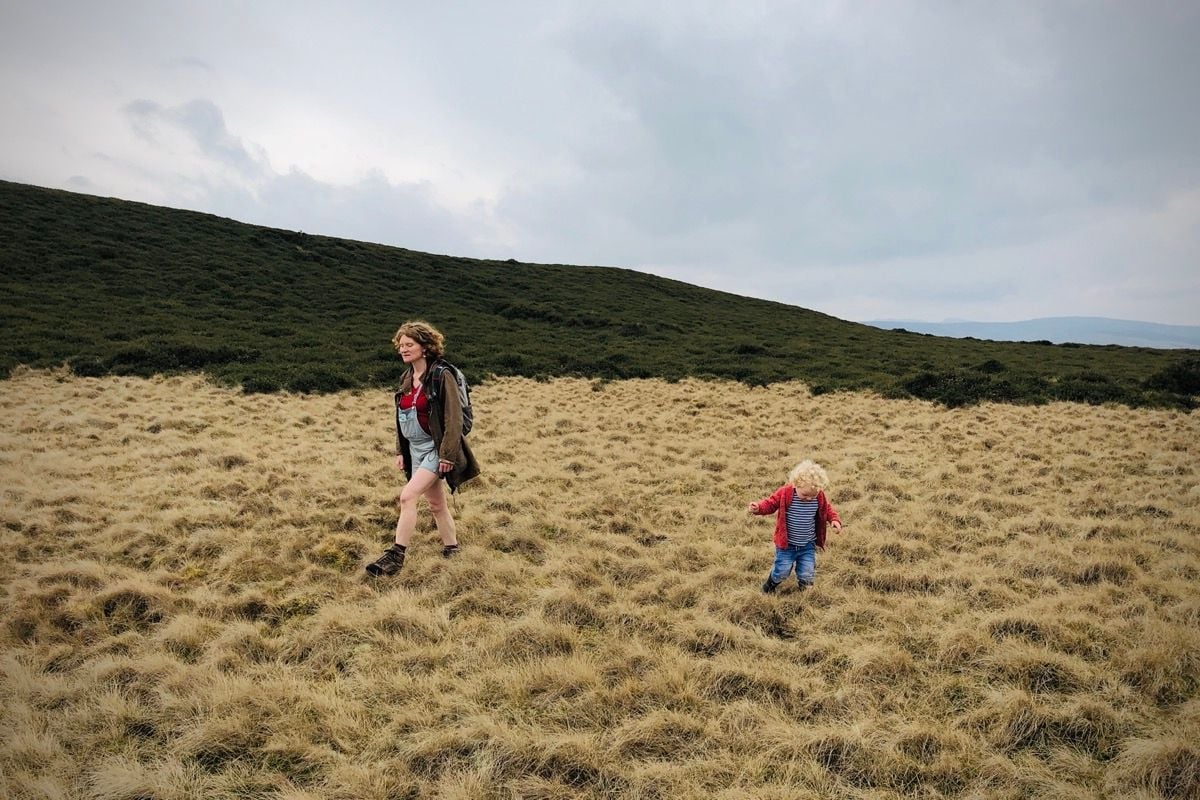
(1012, 610)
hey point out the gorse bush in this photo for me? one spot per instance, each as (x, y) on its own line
(112, 287)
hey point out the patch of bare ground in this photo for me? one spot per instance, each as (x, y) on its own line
(1012, 610)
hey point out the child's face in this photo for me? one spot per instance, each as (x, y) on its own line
(806, 492)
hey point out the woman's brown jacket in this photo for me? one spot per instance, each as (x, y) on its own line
(445, 424)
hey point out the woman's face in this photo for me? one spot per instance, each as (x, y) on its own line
(409, 349)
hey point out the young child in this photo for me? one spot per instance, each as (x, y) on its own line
(801, 516)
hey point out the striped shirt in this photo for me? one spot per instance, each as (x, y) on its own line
(801, 522)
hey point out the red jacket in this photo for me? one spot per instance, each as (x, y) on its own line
(778, 502)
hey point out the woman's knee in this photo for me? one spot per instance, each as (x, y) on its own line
(436, 499)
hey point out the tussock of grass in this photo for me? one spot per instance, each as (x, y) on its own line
(1167, 767)
(1010, 612)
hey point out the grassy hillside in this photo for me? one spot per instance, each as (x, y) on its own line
(1011, 611)
(123, 288)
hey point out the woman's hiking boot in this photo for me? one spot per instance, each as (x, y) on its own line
(449, 550)
(389, 563)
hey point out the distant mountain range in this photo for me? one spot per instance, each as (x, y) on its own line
(1082, 330)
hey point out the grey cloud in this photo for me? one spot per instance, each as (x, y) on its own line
(886, 157)
(881, 135)
(372, 209)
(204, 123)
(1126, 77)
(191, 63)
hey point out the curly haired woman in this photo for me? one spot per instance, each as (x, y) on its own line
(430, 445)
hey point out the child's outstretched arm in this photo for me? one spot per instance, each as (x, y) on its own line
(768, 505)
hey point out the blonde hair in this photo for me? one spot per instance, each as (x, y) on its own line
(809, 473)
(424, 334)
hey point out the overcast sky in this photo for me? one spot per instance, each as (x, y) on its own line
(917, 160)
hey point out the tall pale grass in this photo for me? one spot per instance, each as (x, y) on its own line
(1012, 610)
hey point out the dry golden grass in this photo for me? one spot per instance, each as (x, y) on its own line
(1012, 611)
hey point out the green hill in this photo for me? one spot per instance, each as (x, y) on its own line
(110, 286)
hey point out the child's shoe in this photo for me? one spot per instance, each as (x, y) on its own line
(805, 585)
(769, 585)
(389, 563)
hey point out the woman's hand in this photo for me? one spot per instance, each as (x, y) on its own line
(445, 466)
(399, 462)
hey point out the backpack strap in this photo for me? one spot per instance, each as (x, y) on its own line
(433, 379)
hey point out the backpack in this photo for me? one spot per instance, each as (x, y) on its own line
(433, 385)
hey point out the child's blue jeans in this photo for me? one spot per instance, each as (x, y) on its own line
(803, 558)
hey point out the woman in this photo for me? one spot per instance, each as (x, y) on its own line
(430, 446)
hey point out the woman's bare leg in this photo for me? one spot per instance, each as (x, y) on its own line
(418, 485)
(436, 495)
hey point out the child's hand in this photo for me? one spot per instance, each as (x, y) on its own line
(753, 509)
(837, 526)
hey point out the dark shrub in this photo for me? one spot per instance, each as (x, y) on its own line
(530, 311)
(319, 381)
(512, 361)
(1092, 389)
(991, 366)
(956, 389)
(1182, 377)
(87, 367)
(161, 357)
(261, 384)
(737, 372)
